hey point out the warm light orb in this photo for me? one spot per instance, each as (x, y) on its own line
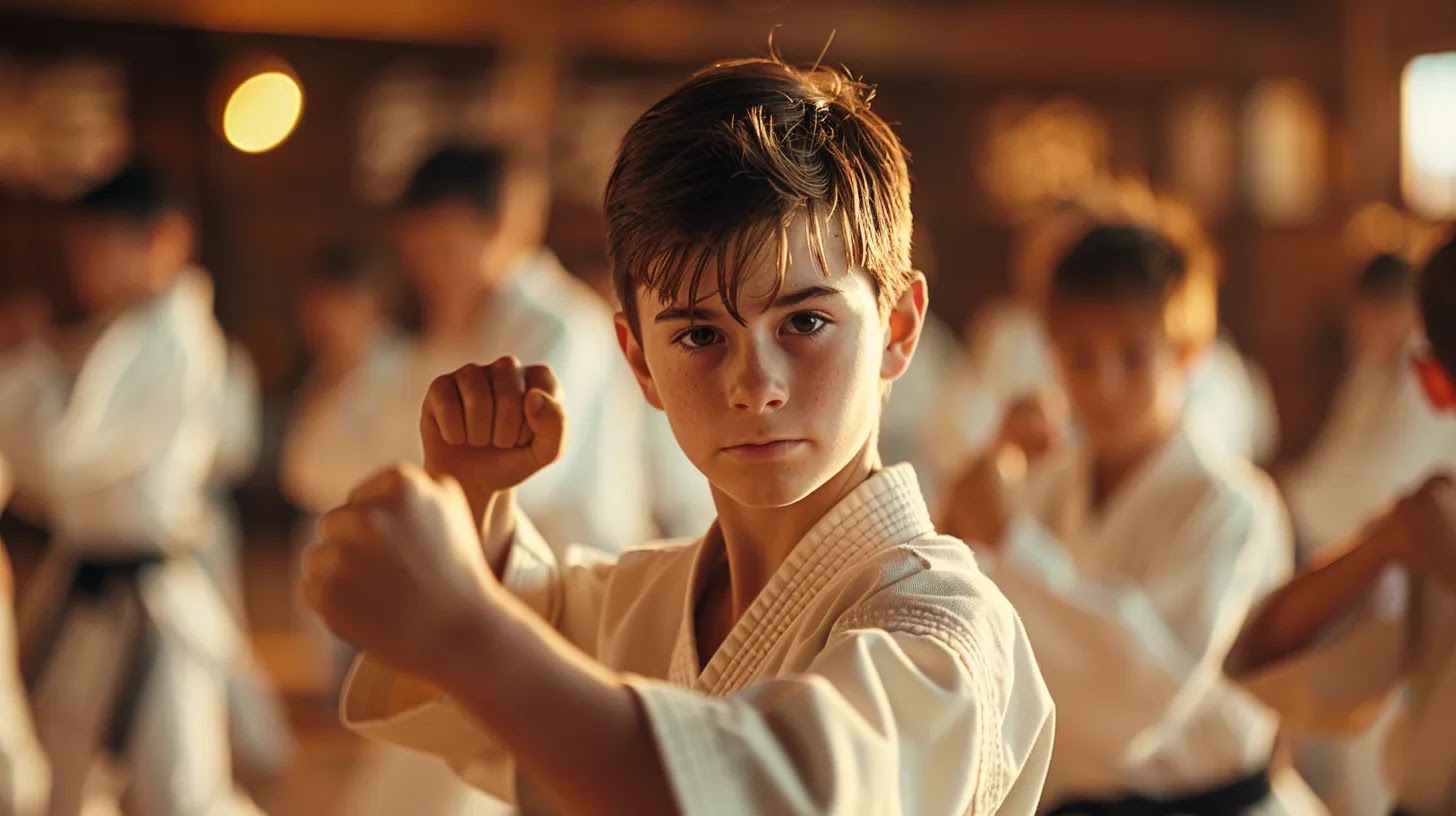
(1428, 134)
(262, 111)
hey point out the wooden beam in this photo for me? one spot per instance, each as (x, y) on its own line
(1036, 42)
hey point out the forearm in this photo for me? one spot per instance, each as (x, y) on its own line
(1297, 614)
(572, 725)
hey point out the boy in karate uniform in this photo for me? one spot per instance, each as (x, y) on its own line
(116, 426)
(1139, 551)
(25, 778)
(821, 648)
(1383, 438)
(468, 235)
(1379, 618)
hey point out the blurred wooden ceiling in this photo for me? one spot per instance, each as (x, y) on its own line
(1117, 42)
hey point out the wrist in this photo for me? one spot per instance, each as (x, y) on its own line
(496, 520)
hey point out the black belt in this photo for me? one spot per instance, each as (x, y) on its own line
(1232, 799)
(92, 579)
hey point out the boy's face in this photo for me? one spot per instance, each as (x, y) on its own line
(1125, 378)
(111, 261)
(444, 245)
(769, 411)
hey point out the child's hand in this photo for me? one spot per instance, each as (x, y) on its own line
(492, 427)
(399, 570)
(979, 505)
(1427, 523)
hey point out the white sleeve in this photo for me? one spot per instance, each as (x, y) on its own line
(31, 394)
(152, 389)
(1141, 666)
(382, 704)
(885, 722)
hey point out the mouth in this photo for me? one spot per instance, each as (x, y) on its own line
(766, 450)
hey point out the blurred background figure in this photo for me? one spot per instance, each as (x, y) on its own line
(115, 422)
(1382, 437)
(1382, 440)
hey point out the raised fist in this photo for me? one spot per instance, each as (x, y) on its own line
(492, 427)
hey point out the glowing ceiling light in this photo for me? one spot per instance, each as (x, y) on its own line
(262, 111)
(1428, 134)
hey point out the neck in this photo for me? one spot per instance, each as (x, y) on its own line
(1110, 471)
(450, 311)
(757, 540)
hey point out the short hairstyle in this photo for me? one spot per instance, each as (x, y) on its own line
(1438, 304)
(473, 176)
(1388, 276)
(1127, 261)
(713, 175)
(136, 193)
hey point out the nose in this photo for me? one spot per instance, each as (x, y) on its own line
(755, 378)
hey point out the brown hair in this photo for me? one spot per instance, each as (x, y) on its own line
(1117, 261)
(717, 170)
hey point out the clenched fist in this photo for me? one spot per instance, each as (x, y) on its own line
(1427, 523)
(491, 427)
(398, 570)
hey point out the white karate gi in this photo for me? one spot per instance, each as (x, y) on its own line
(1401, 642)
(1131, 610)
(120, 450)
(1382, 440)
(878, 672)
(25, 774)
(597, 492)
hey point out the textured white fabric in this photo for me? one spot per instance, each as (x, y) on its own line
(1131, 610)
(878, 672)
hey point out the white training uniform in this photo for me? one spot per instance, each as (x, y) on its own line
(120, 447)
(878, 672)
(1400, 643)
(1382, 440)
(25, 774)
(1131, 609)
(597, 492)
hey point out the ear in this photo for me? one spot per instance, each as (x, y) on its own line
(632, 350)
(906, 319)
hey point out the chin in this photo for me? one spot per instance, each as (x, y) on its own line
(766, 485)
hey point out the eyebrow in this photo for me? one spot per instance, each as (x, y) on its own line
(781, 302)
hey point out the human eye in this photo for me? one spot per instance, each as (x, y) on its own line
(697, 337)
(806, 324)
